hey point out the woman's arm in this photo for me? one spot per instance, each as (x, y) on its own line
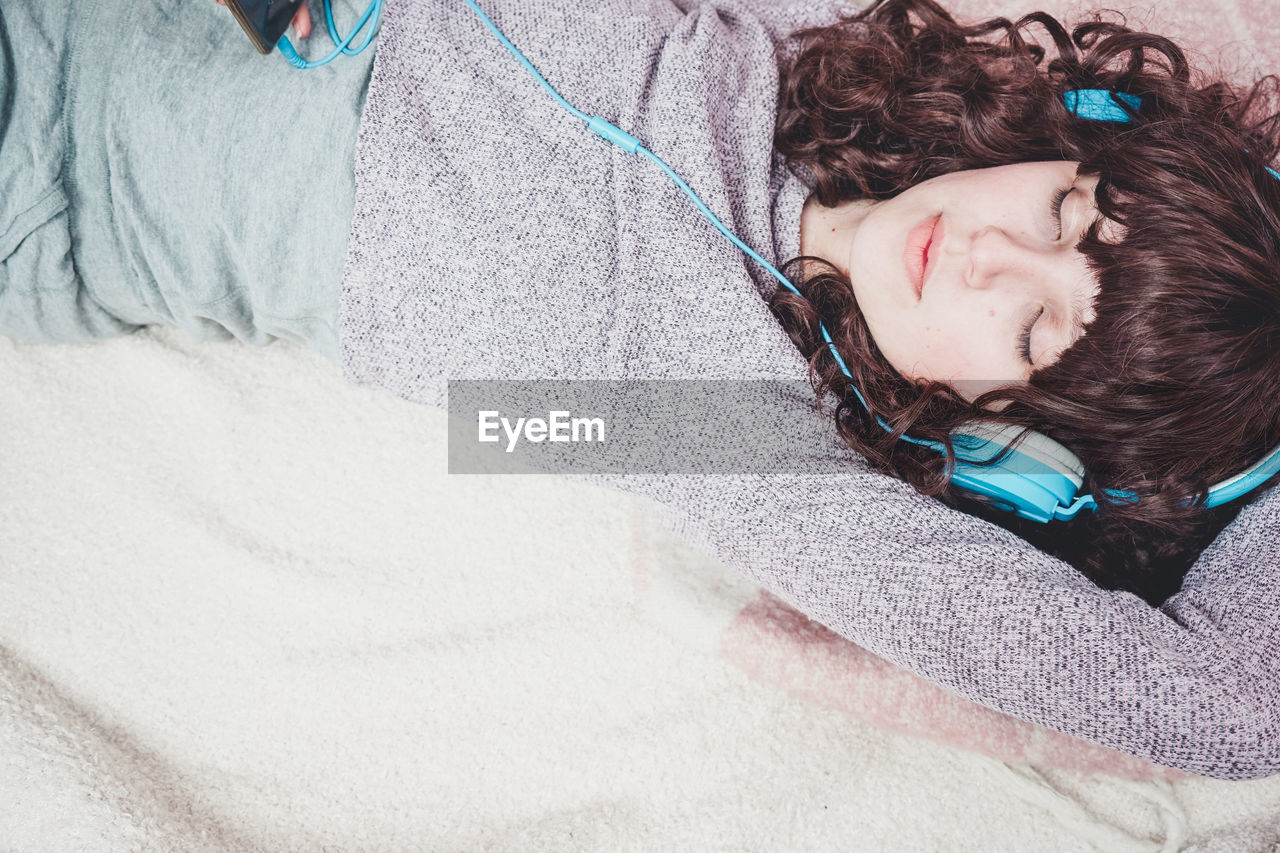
(1193, 685)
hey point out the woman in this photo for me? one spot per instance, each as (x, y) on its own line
(492, 236)
(1156, 393)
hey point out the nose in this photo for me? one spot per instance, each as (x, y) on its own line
(995, 254)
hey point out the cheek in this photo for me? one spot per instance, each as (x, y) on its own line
(923, 351)
(947, 353)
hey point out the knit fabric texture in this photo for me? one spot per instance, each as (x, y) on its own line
(496, 237)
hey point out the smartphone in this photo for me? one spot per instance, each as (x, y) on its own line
(264, 21)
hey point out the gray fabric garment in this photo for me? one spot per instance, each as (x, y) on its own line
(210, 187)
(494, 236)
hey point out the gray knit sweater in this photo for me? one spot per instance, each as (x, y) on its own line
(495, 236)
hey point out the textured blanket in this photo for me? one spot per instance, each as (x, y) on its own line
(331, 644)
(334, 645)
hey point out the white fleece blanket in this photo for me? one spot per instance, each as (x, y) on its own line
(244, 607)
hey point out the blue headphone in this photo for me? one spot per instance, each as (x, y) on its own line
(1039, 478)
(370, 16)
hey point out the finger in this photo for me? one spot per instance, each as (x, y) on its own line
(302, 21)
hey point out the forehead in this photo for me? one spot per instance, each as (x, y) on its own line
(1026, 176)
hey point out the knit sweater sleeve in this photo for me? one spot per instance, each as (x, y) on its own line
(1194, 684)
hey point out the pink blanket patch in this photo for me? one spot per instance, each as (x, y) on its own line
(778, 645)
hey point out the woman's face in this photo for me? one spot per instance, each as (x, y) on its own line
(995, 263)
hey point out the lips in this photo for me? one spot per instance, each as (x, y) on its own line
(918, 254)
(932, 249)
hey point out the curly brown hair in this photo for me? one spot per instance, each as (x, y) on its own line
(1172, 387)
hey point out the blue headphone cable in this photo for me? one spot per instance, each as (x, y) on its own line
(1009, 484)
(342, 45)
(632, 145)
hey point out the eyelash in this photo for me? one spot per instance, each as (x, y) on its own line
(1055, 211)
(1024, 340)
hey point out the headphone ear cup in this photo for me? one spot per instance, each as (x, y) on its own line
(1035, 479)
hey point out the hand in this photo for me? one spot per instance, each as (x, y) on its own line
(301, 20)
